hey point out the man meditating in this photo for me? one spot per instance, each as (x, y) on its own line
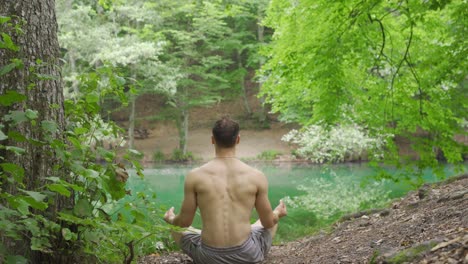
(226, 190)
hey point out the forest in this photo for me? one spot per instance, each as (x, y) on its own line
(353, 78)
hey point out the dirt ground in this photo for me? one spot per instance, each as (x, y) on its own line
(164, 137)
(427, 226)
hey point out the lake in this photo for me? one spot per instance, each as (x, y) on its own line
(331, 191)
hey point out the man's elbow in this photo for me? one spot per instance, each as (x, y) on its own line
(183, 222)
(268, 224)
(186, 224)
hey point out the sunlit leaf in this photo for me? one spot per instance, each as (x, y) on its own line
(2, 136)
(16, 150)
(59, 188)
(67, 234)
(39, 197)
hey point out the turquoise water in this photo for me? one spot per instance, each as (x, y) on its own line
(284, 179)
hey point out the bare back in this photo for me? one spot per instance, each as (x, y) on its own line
(226, 190)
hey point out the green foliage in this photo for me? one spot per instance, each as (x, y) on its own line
(397, 68)
(178, 155)
(336, 144)
(333, 197)
(106, 221)
(269, 155)
(158, 156)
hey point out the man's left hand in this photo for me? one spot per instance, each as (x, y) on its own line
(169, 216)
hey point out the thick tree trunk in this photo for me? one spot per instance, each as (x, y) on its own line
(37, 42)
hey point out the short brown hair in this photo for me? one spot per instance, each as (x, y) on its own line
(225, 132)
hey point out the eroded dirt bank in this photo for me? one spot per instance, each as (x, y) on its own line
(427, 226)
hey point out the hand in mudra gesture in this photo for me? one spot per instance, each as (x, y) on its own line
(280, 210)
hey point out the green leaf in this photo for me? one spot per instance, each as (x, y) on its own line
(22, 207)
(16, 171)
(15, 260)
(76, 187)
(34, 203)
(135, 153)
(7, 68)
(53, 179)
(80, 130)
(92, 98)
(10, 97)
(67, 234)
(18, 137)
(49, 126)
(2, 136)
(7, 43)
(16, 116)
(4, 19)
(59, 188)
(89, 173)
(31, 114)
(16, 150)
(46, 77)
(76, 220)
(40, 244)
(39, 197)
(83, 208)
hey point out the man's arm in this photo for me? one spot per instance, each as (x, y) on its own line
(268, 217)
(189, 205)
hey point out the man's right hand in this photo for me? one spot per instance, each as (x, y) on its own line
(280, 210)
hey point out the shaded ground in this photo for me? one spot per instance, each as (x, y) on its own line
(427, 226)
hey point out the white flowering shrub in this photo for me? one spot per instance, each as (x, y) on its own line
(101, 132)
(335, 197)
(336, 144)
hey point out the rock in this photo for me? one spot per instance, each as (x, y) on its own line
(424, 191)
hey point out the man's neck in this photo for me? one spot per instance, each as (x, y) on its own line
(225, 153)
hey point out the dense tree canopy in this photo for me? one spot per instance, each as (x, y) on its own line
(394, 67)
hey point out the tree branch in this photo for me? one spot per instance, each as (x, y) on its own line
(405, 56)
(382, 30)
(416, 78)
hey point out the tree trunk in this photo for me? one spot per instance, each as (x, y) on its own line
(242, 84)
(38, 41)
(260, 38)
(76, 91)
(131, 127)
(183, 133)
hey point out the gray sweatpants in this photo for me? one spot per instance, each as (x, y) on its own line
(253, 250)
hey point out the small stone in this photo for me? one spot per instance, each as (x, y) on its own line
(385, 213)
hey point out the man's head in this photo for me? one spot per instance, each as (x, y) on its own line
(226, 132)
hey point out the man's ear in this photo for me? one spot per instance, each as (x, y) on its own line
(238, 139)
(213, 140)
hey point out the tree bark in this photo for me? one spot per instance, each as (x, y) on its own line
(260, 38)
(242, 84)
(131, 127)
(186, 132)
(37, 42)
